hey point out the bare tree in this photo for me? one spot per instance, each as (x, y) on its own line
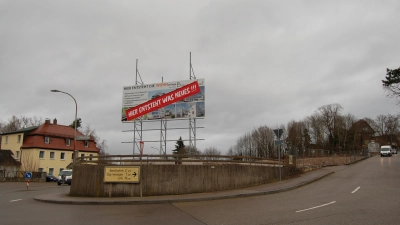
(100, 143)
(392, 127)
(295, 134)
(29, 160)
(212, 152)
(16, 123)
(316, 128)
(192, 150)
(330, 115)
(263, 137)
(345, 124)
(379, 124)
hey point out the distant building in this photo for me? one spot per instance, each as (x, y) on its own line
(195, 111)
(182, 113)
(46, 148)
(8, 162)
(361, 133)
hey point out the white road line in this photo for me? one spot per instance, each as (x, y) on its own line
(316, 207)
(355, 190)
(16, 200)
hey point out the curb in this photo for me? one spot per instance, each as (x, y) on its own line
(139, 201)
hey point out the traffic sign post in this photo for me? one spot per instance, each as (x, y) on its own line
(28, 176)
(278, 133)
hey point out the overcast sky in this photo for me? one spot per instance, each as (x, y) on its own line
(264, 62)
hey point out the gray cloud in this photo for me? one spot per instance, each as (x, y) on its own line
(265, 63)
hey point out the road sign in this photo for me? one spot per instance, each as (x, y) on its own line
(278, 142)
(28, 175)
(278, 133)
(82, 138)
(121, 174)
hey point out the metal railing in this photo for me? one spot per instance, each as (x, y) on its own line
(20, 174)
(176, 159)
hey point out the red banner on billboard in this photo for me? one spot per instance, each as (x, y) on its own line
(164, 100)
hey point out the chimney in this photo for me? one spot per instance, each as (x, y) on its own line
(55, 121)
(47, 121)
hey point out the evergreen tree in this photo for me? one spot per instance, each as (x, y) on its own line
(179, 147)
(392, 82)
(78, 123)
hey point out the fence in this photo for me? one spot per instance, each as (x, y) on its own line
(15, 175)
(177, 159)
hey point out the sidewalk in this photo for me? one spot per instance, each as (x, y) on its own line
(276, 187)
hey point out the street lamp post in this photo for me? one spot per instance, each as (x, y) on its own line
(76, 112)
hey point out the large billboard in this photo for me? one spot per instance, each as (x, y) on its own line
(167, 100)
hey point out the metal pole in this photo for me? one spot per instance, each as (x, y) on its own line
(279, 159)
(75, 124)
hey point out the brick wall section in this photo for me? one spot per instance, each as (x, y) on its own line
(173, 179)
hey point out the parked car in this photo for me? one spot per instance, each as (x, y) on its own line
(65, 177)
(386, 150)
(393, 150)
(50, 178)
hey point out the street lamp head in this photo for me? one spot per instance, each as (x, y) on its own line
(54, 90)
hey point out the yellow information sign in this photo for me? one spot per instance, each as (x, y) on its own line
(121, 174)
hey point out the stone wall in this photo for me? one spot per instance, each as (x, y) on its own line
(173, 179)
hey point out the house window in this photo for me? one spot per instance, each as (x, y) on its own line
(82, 155)
(91, 157)
(47, 140)
(52, 155)
(86, 144)
(17, 154)
(19, 138)
(40, 170)
(68, 142)
(6, 142)
(51, 171)
(62, 156)
(61, 169)
(41, 155)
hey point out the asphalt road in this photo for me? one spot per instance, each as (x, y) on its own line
(363, 193)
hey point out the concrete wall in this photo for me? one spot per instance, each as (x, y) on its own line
(172, 179)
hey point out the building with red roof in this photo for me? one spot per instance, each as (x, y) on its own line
(47, 148)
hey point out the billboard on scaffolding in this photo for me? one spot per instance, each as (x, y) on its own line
(167, 100)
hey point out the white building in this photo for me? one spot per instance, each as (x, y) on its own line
(195, 111)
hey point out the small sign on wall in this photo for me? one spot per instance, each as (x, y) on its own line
(121, 174)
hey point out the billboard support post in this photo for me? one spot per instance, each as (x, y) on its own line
(192, 121)
(137, 125)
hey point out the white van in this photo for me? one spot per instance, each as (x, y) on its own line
(386, 150)
(393, 150)
(65, 177)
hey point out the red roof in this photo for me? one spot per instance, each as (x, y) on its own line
(58, 135)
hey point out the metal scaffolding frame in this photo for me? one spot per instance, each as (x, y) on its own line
(138, 123)
(192, 121)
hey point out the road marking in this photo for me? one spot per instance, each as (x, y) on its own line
(16, 200)
(355, 190)
(316, 207)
